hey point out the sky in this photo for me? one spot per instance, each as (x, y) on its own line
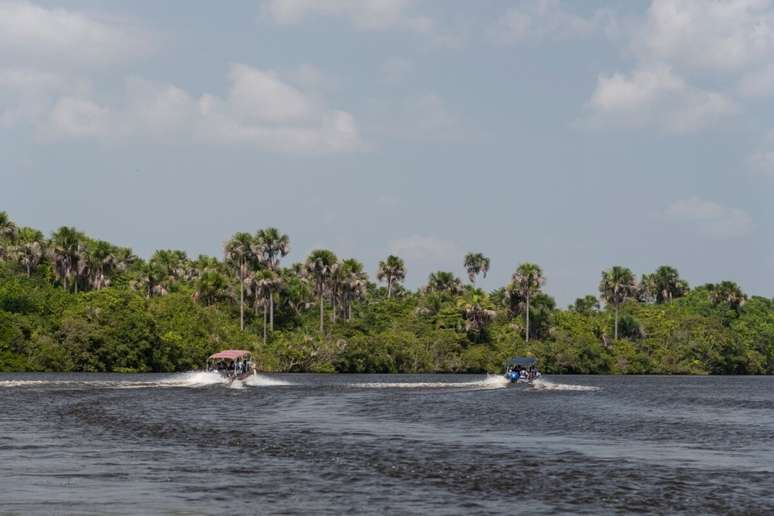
(577, 135)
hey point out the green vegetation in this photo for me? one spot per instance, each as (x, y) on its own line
(72, 303)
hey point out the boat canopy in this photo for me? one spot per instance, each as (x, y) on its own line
(523, 361)
(230, 354)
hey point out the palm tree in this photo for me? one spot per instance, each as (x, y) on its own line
(354, 282)
(211, 287)
(99, 262)
(319, 267)
(172, 264)
(527, 281)
(444, 282)
(269, 246)
(475, 264)
(667, 284)
(30, 249)
(727, 293)
(239, 251)
(66, 252)
(392, 270)
(476, 311)
(617, 285)
(8, 227)
(585, 305)
(295, 289)
(164, 269)
(124, 258)
(261, 284)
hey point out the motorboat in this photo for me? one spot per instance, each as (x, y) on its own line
(232, 364)
(522, 370)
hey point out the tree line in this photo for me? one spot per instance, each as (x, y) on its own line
(324, 313)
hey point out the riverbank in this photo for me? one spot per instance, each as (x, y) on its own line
(43, 328)
(73, 303)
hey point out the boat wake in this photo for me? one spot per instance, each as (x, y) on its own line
(193, 379)
(259, 380)
(204, 379)
(545, 385)
(490, 382)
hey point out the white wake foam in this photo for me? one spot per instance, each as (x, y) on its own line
(490, 382)
(259, 380)
(545, 385)
(191, 379)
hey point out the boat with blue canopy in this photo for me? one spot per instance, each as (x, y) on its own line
(522, 370)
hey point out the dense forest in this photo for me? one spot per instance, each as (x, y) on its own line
(73, 303)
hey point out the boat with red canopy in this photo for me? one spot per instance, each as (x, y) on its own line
(232, 364)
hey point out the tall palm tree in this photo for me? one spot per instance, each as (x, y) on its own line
(261, 284)
(30, 249)
(728, 293)
(319, 267)
(270, 245)
(239, 251)
(66, 251)
(475, 264)
(616, 286)
(527, 281)
(354, 282)
(392, 270)
(444, 282)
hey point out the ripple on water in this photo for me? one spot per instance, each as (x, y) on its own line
(328, 444)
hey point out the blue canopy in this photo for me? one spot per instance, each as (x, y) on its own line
(523, 361)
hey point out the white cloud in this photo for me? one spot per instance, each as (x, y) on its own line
(28, 94)
(365, 15)
(710, 218)
(695, 63)
(709, 35)
(548, 19)
(259, 109)
(78, 117)
(655, 96)
(30, 33)
(261, 96)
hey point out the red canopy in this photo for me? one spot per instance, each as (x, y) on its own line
(229, 354)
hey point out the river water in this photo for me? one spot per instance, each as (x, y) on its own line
(398, 444)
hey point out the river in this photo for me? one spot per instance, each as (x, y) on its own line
(392, 444)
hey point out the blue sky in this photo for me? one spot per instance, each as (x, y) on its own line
(578, 135)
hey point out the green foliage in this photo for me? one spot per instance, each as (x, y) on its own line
(72, 303)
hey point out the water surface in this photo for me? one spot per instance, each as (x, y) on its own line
(398, 444)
